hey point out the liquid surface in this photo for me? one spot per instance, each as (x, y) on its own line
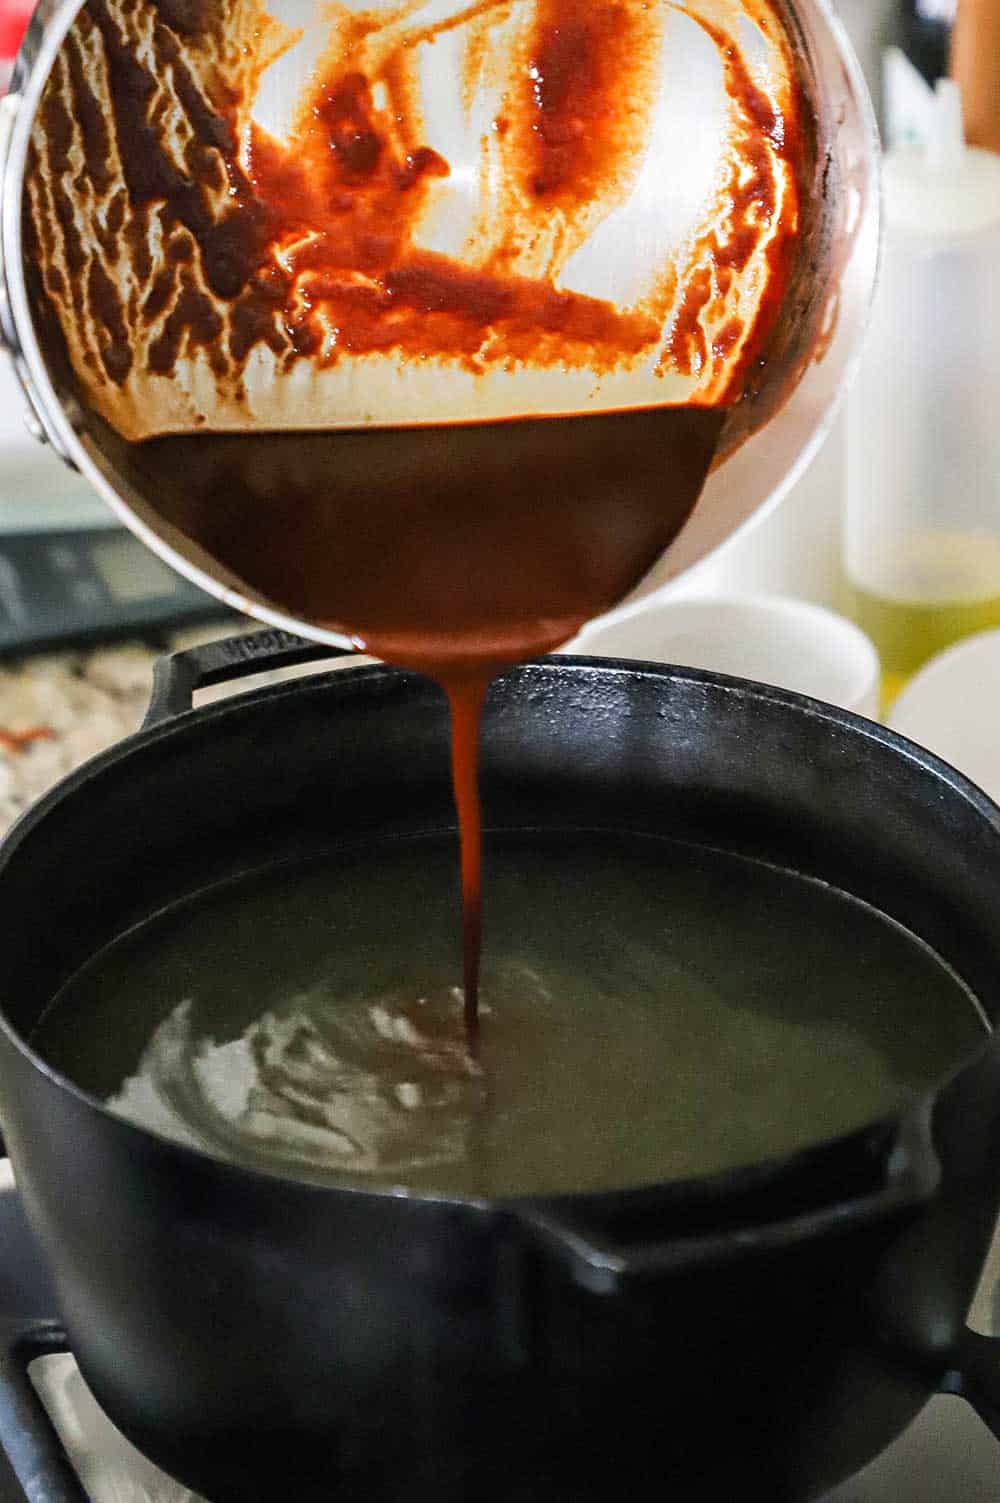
(649, 1011)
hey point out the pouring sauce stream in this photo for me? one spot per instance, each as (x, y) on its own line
(465, 698)
(456, 549)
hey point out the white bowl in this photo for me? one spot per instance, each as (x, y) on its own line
(773, 640)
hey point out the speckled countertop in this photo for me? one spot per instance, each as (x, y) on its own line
(58, 709)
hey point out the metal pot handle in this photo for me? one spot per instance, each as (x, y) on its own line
(179, 675)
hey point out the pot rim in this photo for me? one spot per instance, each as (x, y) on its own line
(704, 1188)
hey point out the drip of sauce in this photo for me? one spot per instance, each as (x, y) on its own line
(454, 551)
(465, 699)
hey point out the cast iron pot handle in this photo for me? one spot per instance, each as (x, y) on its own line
(27, 1435)
(976, 1377)
(177, 676)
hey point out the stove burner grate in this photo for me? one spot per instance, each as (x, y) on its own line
(948, 1453)
(27, 1434)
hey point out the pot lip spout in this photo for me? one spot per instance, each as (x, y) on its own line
(603, 1261)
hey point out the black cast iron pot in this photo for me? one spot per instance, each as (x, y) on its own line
(765, 1332)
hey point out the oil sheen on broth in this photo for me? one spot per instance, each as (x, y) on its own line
(185, 250)
(649, 1011)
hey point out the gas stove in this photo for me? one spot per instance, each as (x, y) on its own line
(56, 1445)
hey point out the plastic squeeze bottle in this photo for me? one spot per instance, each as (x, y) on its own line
(922, 519)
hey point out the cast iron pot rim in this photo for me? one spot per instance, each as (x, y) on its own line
(705, 1188)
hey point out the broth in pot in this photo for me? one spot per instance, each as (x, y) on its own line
(650, 1011)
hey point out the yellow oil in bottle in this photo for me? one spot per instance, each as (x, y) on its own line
(945, 587)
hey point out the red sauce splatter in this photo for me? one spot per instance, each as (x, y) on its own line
(580, 58)
(751, 199)
(316, 251)
(347, 185)
(19, 741)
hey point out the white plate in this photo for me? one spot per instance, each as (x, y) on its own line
(952, 707)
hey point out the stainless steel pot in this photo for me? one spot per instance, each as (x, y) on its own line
(755, 475)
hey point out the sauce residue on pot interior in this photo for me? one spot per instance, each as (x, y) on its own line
(420, 211)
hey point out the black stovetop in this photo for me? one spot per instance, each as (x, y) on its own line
(946, 1457)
